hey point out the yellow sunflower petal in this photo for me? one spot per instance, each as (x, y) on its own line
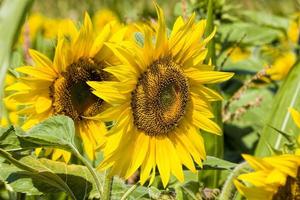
(163, 164)
(87, 143)
(121, 72)
(39, 73)
(138, 156)
(84, 41)
(57, 153)
(276, 177)
(256, 178)
(208, 77)
(42, 104)
(206, 124)
(42, 61)
(100, 39)
(161, 36)
(253, 193)
(184, 141)
(19, 86)
(148, 163)
(175, 163)
(109, 91)
(296, 116)
(184, 155)
(256, 163)
(179, 23)
(61, 55)
(67, 156)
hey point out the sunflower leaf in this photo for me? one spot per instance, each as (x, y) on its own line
(41, 177)
(57, 131)
(28, 167)
(217, 163)
(11, 142)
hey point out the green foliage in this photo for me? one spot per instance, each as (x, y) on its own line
(33, 176)
(280, 118)
(57, 131)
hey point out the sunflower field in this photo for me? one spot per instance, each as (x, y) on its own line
(150, 99)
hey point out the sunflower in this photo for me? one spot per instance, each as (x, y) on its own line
(274, 178)
(159, 101)
(59, 87)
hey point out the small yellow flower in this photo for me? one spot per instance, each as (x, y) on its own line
(103, 17)
(47, 27)
(32, 26)
(160, 101)
(239, 54)
(282, 65)
(53, 27)
(294, 28)
(274, 178)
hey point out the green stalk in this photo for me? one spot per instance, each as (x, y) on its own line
(90, 168)
(12, 15)
(209, 29)
(108, 181)
(129, 191)
(229, 189)
(214, 144)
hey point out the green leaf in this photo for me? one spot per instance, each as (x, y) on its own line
(217, 163)
(233, 32)
(56, 131)
(39, 179)
(287, 97)
(35, 170)
(11, 142)
(267, 19)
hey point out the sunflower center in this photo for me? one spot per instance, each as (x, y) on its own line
(160, 97)
(70, 93)
(291, 189)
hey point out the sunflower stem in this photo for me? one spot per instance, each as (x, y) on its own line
(211, 54)
(214, 143)
(229, 189)
(129, 191)
(108, 181)
(90, 168)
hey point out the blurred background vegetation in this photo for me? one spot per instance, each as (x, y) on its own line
(252, 34)
(131, 10)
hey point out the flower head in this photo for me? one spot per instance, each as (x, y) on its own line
(160, 101)
(59, 87)
(274, 178)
